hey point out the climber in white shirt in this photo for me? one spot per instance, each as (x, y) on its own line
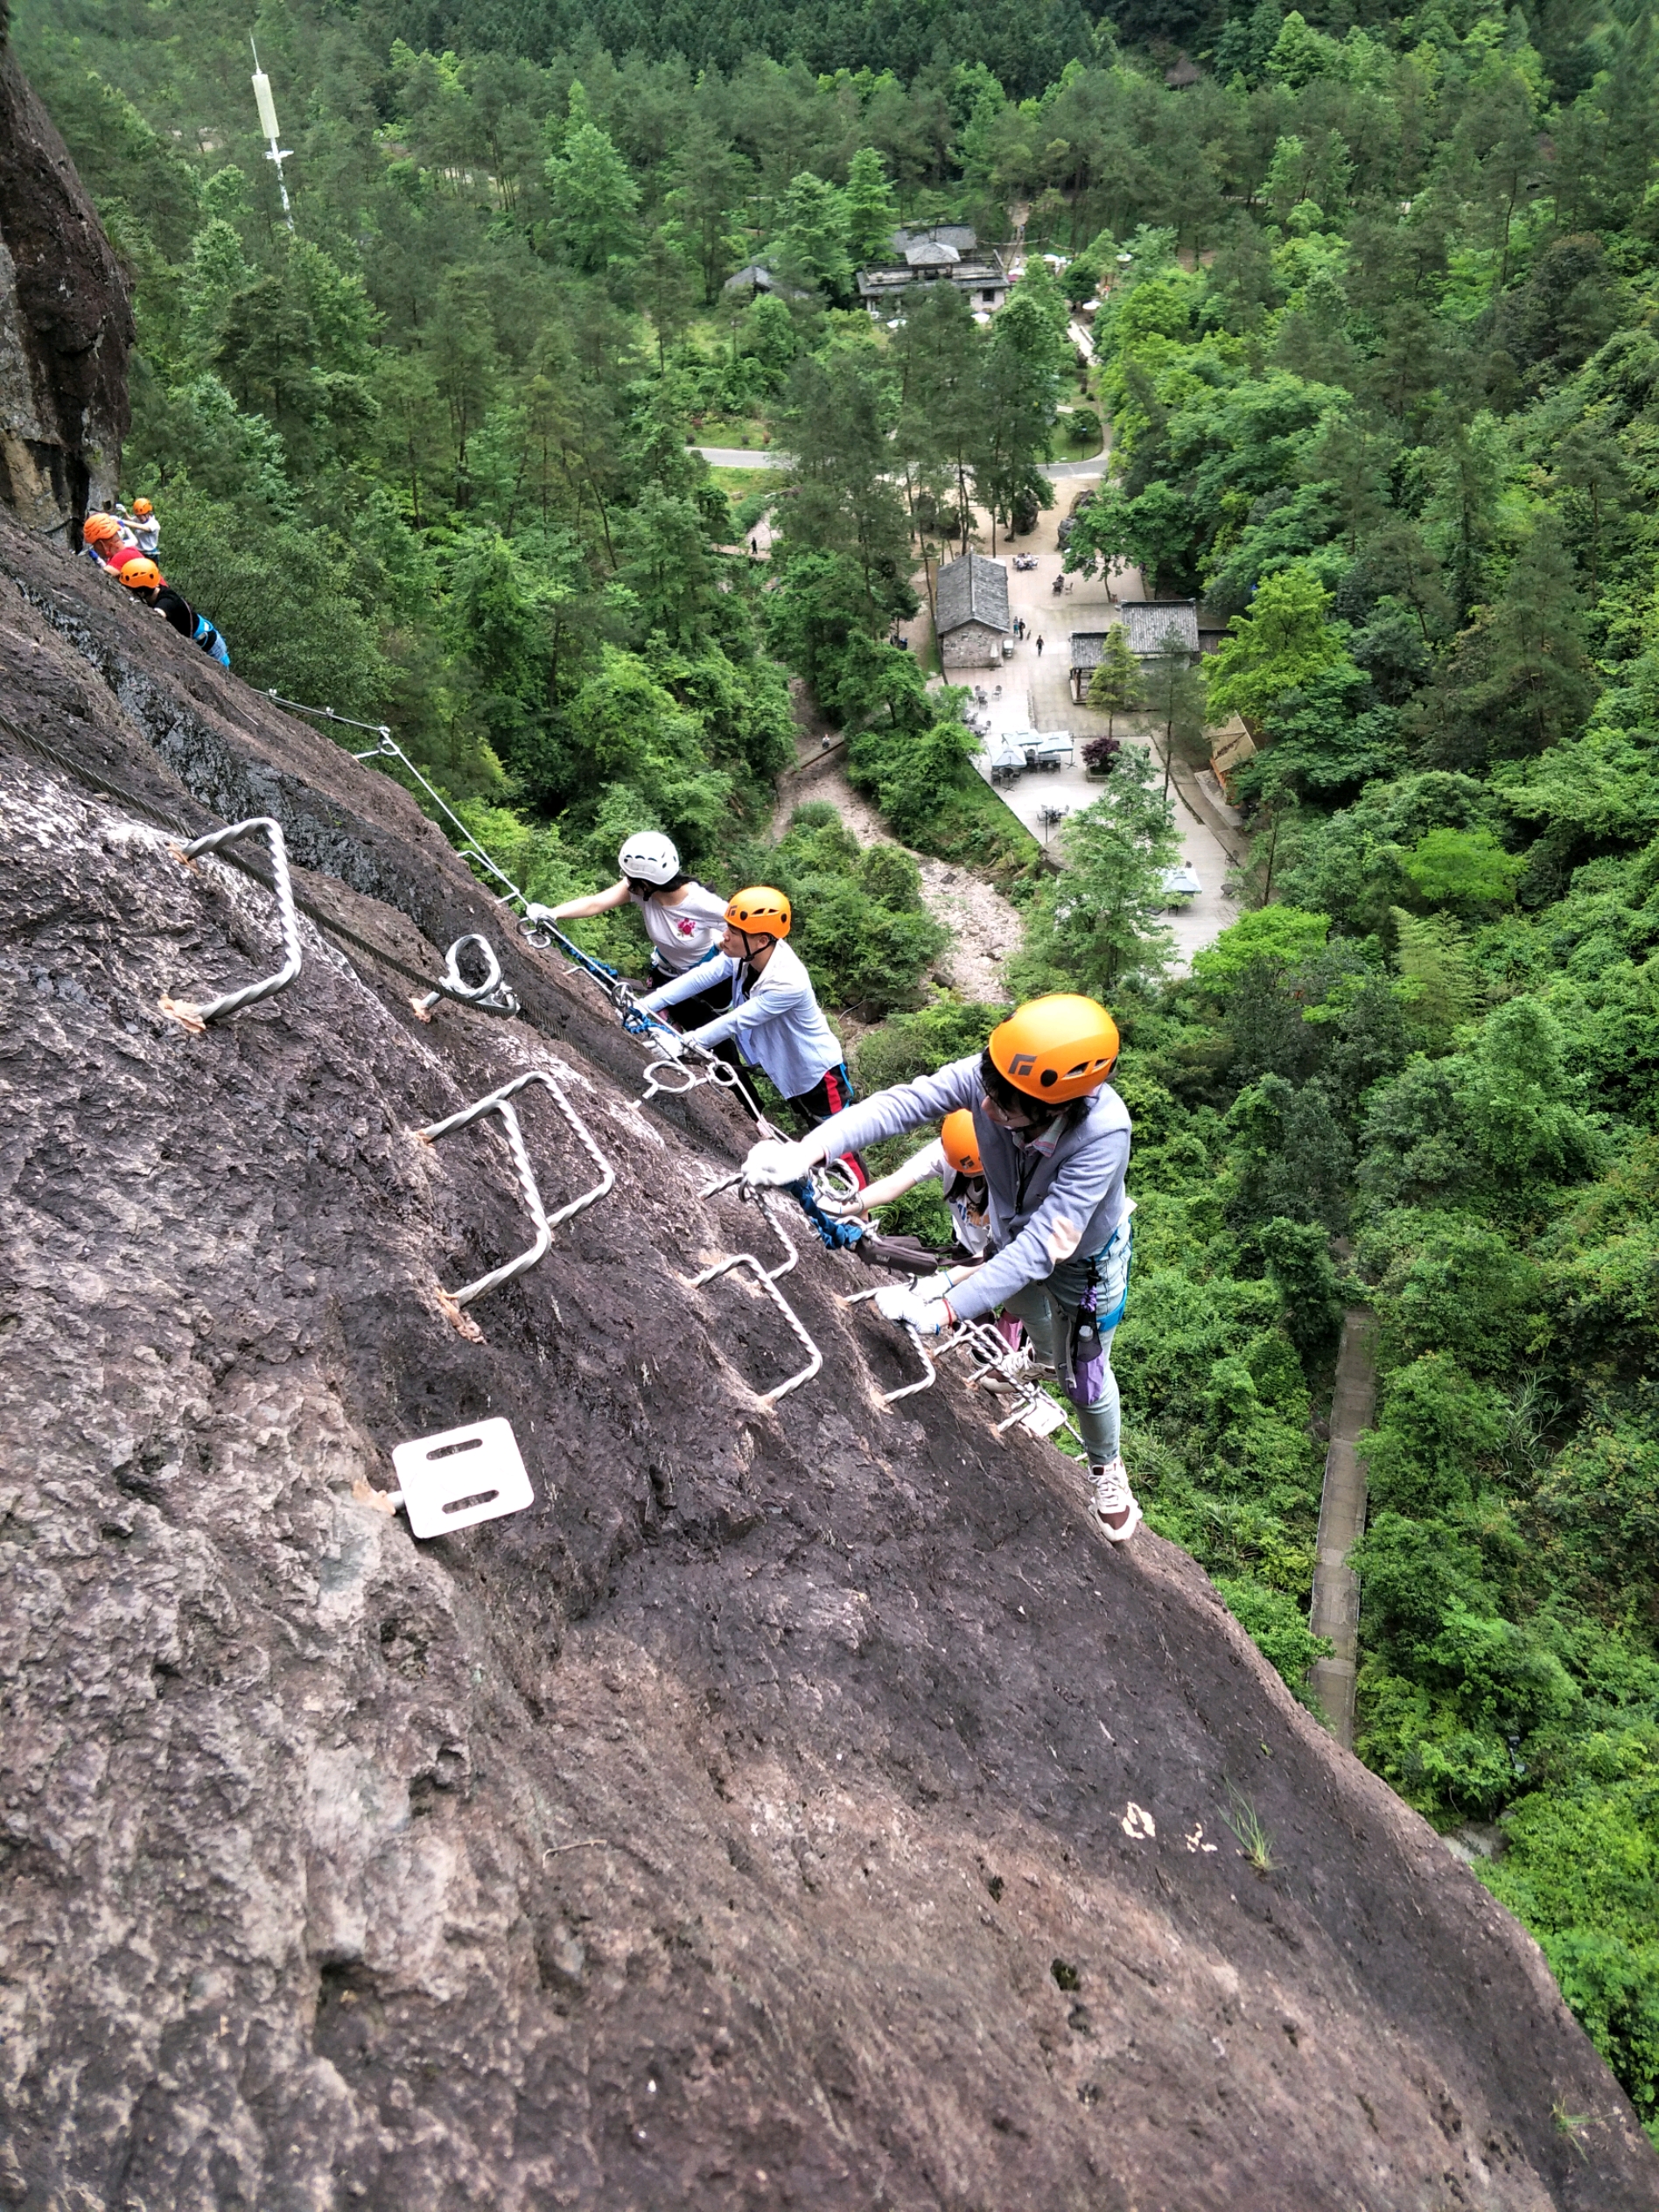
(683, 918)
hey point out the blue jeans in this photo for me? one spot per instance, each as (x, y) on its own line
(1048, 1309)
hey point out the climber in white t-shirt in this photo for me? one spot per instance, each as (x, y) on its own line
(683, 920)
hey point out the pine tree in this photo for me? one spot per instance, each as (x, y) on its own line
(870, 209)
(1433, 955)
(1115, 688)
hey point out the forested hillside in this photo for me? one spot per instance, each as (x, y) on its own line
(1377, 344)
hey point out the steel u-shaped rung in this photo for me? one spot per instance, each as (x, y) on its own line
(814, 1357)
(490, 997)
(905, 1390)
(747, 1191)
(498, 1103)
(197, 1016)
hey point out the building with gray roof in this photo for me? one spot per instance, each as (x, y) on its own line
(971, 618)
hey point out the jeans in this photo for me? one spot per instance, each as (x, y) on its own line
(1048, 1309)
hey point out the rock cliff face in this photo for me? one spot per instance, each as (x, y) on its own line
(750, 1823)
(66, 324)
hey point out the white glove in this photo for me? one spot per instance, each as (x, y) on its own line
(668, 1042)
(927, 1287)
(928, 1316)
(533, 913)
(775, 1163)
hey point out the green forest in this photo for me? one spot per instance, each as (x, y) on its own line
(1377, 342)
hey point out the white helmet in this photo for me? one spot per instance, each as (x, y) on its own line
(650, 857)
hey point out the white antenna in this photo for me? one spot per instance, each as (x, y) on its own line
(267, 108)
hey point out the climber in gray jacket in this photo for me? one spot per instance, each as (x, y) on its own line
(1054, 1142)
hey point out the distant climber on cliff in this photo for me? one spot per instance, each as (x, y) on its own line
(1053, 1140)
(103, 540)
(684, 920)
(771, 1014)
(142, 526)
(146, 581)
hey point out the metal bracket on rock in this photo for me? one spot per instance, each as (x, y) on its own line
(763, 1199)
(490, 996)
(907, 1389)
(498, 1103)
(814, 1357)
(768, 1278)
(196, 1017)
(459, 1477)
(994, 1362)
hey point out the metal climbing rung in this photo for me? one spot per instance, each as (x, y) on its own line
(764, 1198)
(814, 1357)
(195, 1017)
(991, 1355)
(460, 1477)
(490, 996)
(907, 1390)
(497, 1103)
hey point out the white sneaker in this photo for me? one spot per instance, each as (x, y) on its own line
(1115, 1507)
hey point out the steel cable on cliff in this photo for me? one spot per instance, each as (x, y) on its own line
(161, 820)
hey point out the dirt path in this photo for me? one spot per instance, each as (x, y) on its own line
(984, 928)
(1335, 1611)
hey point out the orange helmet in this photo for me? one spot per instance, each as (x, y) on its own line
(143, 506)
(142, 575)
(760, 911)
(100, 530)
(961, 1143)
(1055, 1048)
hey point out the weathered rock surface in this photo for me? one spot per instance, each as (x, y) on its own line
(750, 1823)
(66, 323)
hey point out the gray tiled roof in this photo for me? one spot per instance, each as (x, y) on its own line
(972, 589)
(1152, 623)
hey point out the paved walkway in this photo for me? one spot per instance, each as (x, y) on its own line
(1036, 695)
(1335, 1611)
(743, 456)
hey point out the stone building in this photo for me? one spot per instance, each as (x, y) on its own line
(971, 601)
(945, 253)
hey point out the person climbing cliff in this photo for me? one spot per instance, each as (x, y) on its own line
(683, 918)
(953, 1157)
(146, 582)
(104, 540)
(1053, 1140)
(772, 1013)
(142, 525)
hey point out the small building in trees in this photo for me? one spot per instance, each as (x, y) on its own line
(755, 278)
(943, 253)
(1230, 747)
(1154, 624)
(971, 616)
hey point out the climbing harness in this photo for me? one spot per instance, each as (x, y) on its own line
(196, 1017)
(497, 1102)
(490, 996)
(458, 1478)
